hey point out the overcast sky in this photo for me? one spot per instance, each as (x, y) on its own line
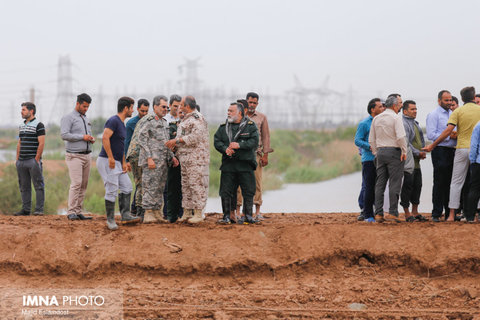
(414, 48)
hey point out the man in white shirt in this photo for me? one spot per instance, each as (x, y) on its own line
(174, 103)
(388, 144)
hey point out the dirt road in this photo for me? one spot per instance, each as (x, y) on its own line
(290, 266)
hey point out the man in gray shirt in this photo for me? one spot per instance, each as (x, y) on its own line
(76, 131)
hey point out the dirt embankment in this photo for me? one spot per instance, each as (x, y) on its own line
(290, 266)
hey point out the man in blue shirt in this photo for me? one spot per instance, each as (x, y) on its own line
(474, 193)
(112, 167)
(442, 155)
(374, 108)
(142, 109)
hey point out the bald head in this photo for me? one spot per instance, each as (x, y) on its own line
(188, 104)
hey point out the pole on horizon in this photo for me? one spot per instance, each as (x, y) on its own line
(32, 95)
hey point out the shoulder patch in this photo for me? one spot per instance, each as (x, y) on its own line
(196, 116)
(250, 122)
(150, 117)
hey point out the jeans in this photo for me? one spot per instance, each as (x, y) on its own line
(369, 174)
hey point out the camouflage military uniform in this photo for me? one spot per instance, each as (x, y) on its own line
(152, 137)
(194, 157)
(132, 156)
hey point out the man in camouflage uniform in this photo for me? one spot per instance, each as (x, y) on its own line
(194, 155)
(132, 162)
(154, 158)
(131, 157)
(237, 140)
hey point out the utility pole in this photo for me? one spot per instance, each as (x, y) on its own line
(100, 102)
(32, 95)
(13, 112)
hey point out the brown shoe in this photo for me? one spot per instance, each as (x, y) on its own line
(379, 218)
(391, 217)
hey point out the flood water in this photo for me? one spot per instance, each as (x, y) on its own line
(336, 195)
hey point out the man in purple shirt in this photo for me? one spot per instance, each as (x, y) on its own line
(442, 155)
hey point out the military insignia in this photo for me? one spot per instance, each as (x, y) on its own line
(250, 122)
(196, 116)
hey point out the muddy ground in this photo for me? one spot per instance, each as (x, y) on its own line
(305, 266)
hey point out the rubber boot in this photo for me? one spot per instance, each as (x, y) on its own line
(197, 216)
(110, 209)
(124, 204)
(226, 204)
(247, 211)
(187, 214)
(149, 216)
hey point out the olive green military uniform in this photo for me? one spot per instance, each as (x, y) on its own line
(238, 169)
(174, 183)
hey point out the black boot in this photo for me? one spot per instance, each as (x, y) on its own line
(361, 216)
(226, 211)
(247, 211)
(124, 205)
(110, 209)
(22, 213)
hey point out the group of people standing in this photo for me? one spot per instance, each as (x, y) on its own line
(167, 152)
(392, 145)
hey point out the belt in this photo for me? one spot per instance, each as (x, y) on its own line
(395, 148)
(81, 152)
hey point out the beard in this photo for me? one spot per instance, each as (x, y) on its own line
(230, 119)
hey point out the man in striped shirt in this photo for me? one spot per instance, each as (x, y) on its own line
(29, 160)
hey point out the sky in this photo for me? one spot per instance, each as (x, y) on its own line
(415, 48)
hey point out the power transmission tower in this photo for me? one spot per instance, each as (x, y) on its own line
(65, 96)
(191, 82)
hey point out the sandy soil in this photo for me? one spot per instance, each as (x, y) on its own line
(291, 266)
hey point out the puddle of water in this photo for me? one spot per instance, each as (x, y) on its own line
(336, 195)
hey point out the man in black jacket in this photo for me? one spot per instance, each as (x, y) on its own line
(237, 140)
